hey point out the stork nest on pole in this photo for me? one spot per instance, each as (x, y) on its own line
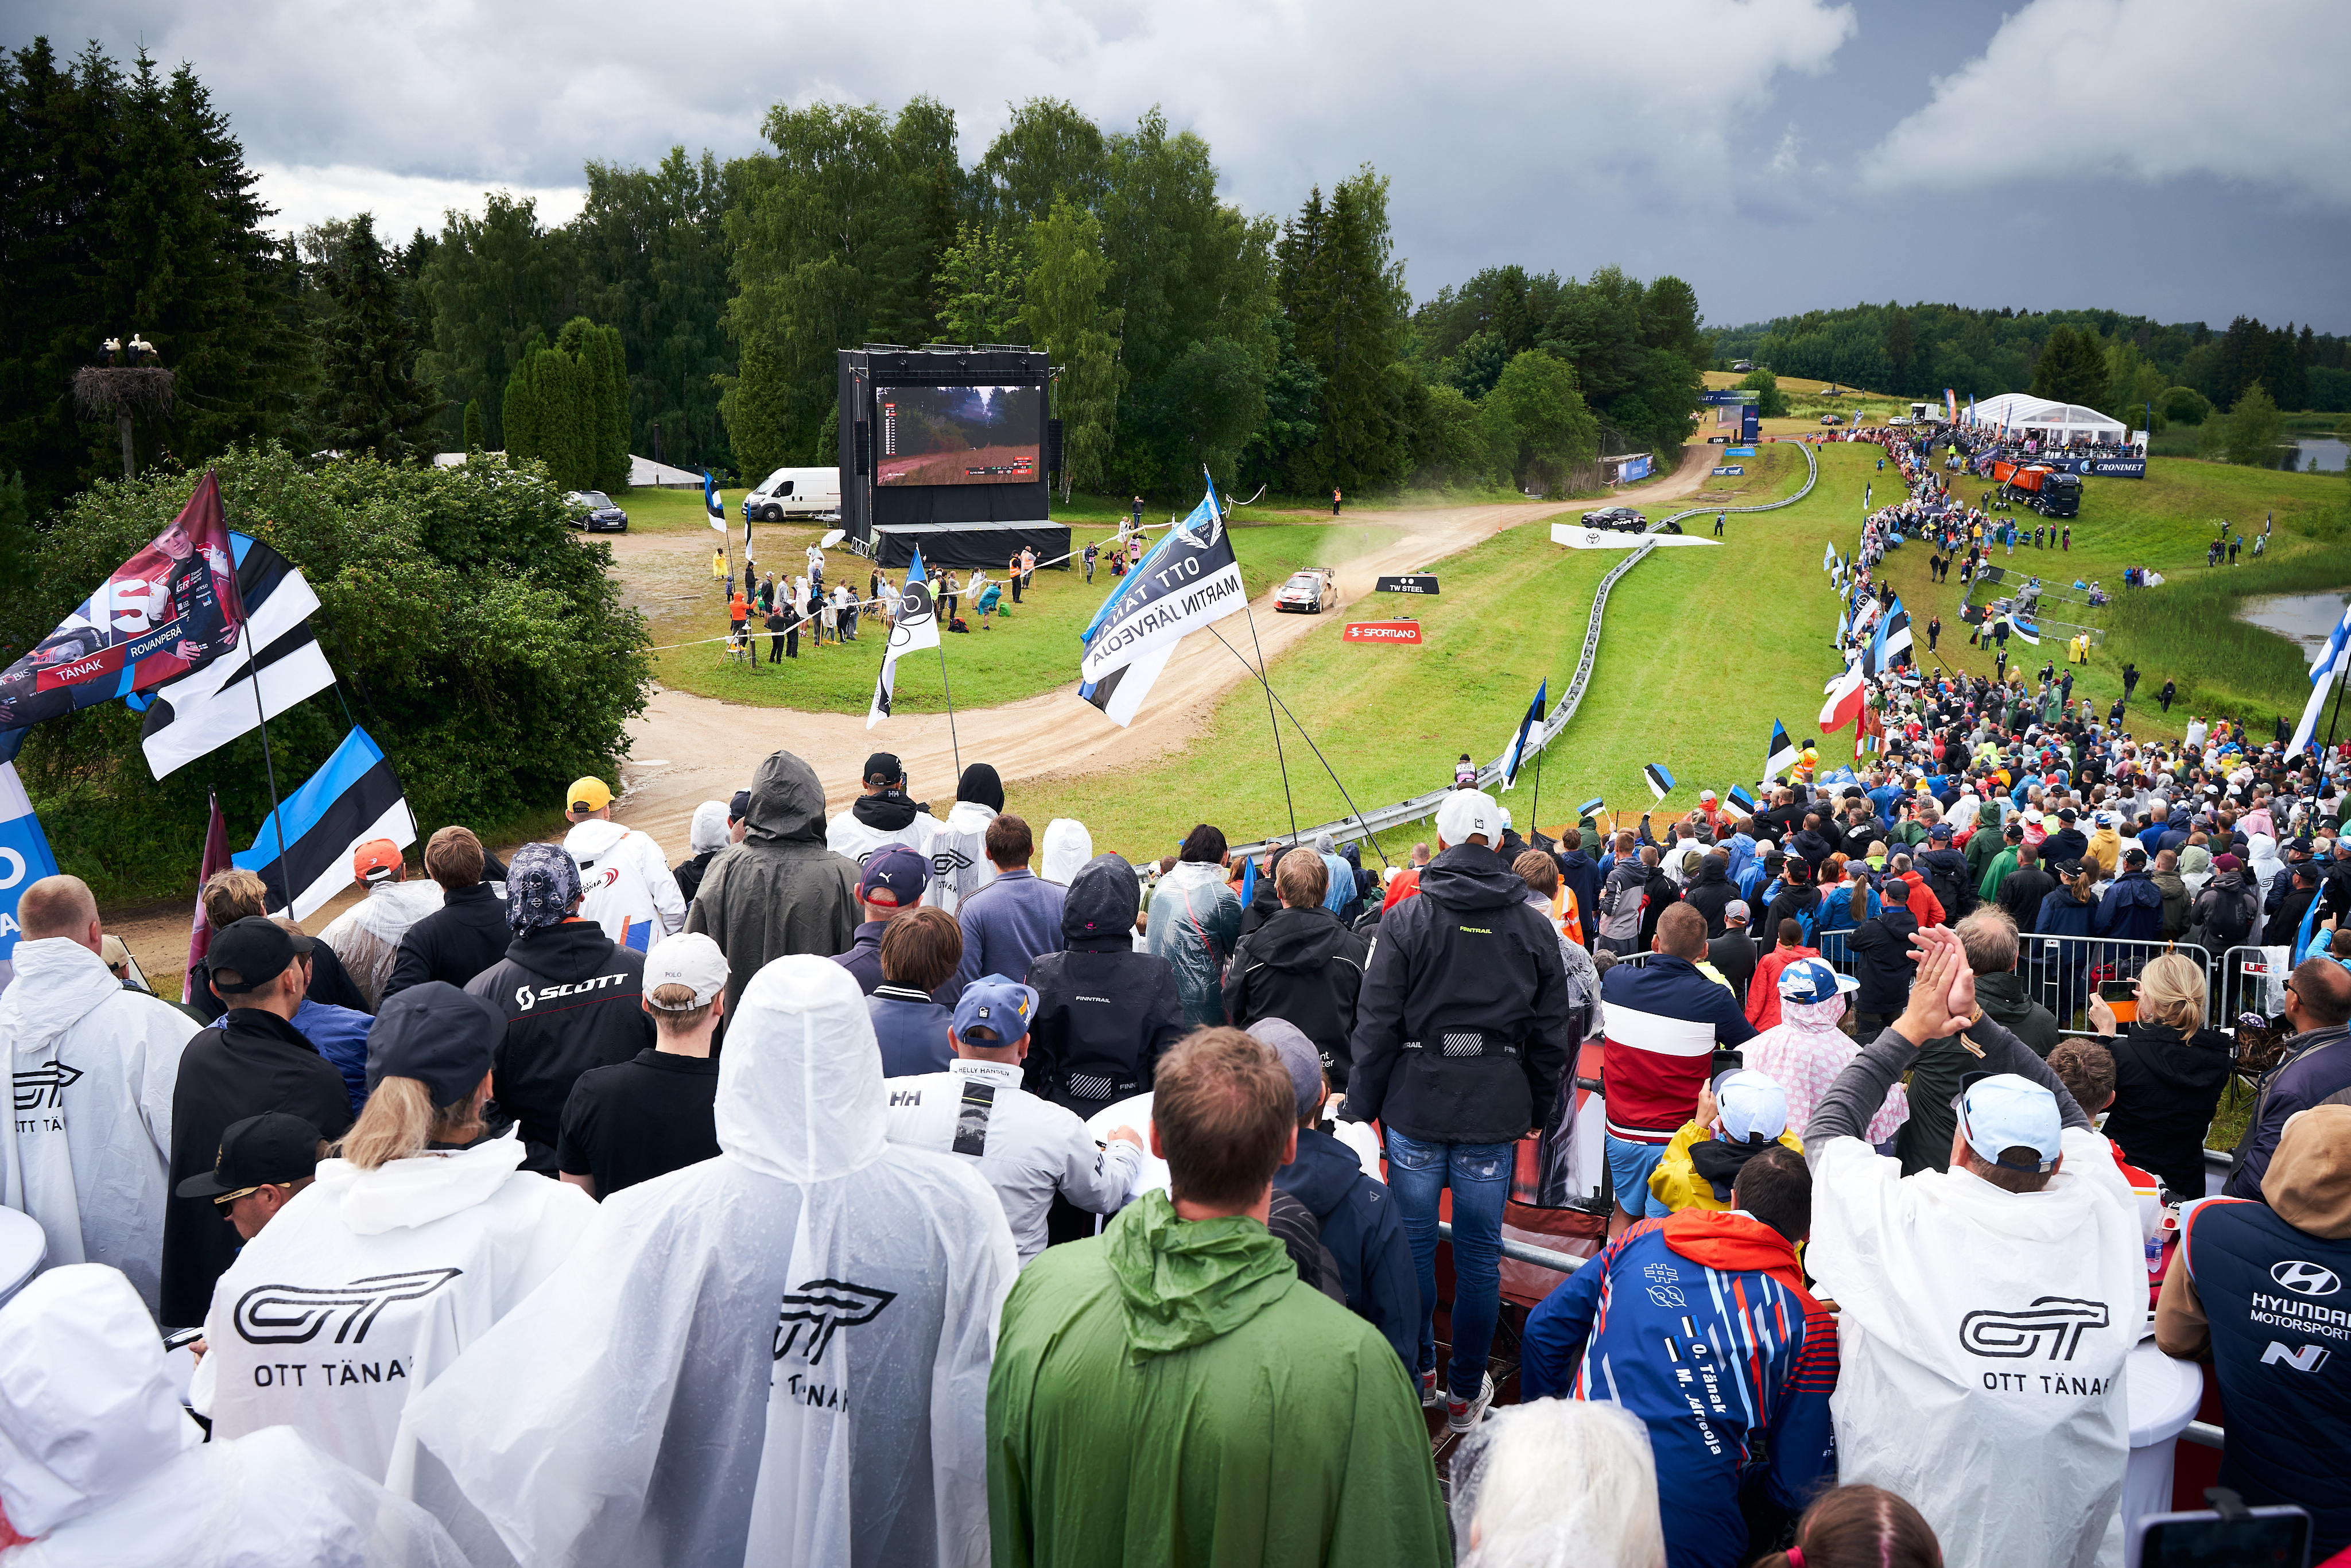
(100, 390)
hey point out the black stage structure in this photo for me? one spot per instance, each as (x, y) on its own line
(949, 447)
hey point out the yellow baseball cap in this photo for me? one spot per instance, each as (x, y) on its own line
(589, 794)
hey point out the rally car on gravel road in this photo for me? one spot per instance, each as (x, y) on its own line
(1308, 591)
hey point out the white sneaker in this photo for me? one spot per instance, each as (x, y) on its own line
(1429, 1396)
(1460, 1414)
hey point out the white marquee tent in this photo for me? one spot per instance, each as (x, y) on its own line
(2061, 422)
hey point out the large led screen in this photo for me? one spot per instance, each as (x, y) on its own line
(957, 435)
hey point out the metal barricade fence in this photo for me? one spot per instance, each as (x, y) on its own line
(2059, 971)
(2246, 980)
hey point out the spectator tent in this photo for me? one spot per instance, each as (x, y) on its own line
(2059, 422)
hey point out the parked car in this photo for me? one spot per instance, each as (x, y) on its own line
(594, 511)
(1831, 419)
(1308, 590)
(1624, 519)
(794, 492)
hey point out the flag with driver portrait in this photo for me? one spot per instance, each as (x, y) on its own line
(917, 627)
(166, 613)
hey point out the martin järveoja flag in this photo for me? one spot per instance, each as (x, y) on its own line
(1189, 579)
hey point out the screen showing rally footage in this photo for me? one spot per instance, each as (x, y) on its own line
(957, 435)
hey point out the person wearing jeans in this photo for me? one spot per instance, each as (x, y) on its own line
(1479, 1176)
(1461, 1037)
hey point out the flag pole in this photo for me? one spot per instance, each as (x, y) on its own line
(261, 713)
(1534, 812)
(2340, 677)
(1272, 722)
(952, 741)
(1371, 837)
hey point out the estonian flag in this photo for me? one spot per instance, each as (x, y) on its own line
(2025, 630)
(1891, 640)
(1783, 754)
(714, 503)
(1515, 755)
(1661, 783)
(200, 713)
(1591, 808)
(1738, 797)
(304, 853)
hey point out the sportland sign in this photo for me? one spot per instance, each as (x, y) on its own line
(1392, 633)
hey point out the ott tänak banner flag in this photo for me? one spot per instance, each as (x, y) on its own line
(1189, 581)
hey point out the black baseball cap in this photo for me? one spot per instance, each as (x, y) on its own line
(883, 767)
(255, 950)
(739, 807)
(437, 1035)
(273, 1148)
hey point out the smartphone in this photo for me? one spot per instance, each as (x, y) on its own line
(180, 1339)
(2267, 1537)
(2122, 998)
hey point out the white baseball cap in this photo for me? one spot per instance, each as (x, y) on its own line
(2002, 1110)
(1468, 811)
(1750, 1102)
(689, 959)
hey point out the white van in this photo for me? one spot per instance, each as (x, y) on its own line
(794, 492)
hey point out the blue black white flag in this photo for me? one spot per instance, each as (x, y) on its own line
(917, 626)
(304, 853)
(1515, 754)
(712, 502)
(2025, 630)
(1591, 808)
(1740, 797)
(1891, 640)
(1783, 754)
(1661, 783)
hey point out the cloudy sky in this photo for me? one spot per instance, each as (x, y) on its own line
(2177, 158)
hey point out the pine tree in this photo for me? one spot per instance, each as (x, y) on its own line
(757, 408)
(473, 426)
(2072, 368)
(518, 416)
(369, 399)
(1346, 299)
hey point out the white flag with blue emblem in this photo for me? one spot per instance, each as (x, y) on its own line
(917, 626)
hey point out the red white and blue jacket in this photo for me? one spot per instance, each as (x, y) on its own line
(1699, 1324)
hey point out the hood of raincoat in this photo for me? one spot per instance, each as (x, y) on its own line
(402, 1194)
(1470, 876)
(86, 1411)
(590, 842)
(1068, 848)
(1185, 1283)
(1720, 1238)
(2194, 861)
(709, 829)
(1814, 1018)
(57, 982)
(887, 813)
(2263, 863)
(800, 1083)
(1103, 899)
(786, 803)
(1304, 940)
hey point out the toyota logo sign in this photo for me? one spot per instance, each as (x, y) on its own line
(2306, 1279)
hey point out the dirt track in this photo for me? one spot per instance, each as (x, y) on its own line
(685, 749)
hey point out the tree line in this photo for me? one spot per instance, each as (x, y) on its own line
(691, 310)
(2120, 365)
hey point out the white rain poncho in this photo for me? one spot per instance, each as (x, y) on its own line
(1068, 847)
(1981, 1336)
(959, 863)
(89, 1151)
(630, 890)
(778, 1356)
(99, 1461)
(368, 1285)
(708, 831)
(366, 936)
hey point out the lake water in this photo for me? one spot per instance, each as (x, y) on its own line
(2303, 618)
(2321, 454)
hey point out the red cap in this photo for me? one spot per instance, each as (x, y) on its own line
(375, 859)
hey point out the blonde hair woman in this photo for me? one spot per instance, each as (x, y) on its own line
(406, 1249)
(2169, 1070)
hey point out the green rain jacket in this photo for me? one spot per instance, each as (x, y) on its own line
(1169, 1393)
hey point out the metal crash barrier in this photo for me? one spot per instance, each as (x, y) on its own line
(1521, 1252)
